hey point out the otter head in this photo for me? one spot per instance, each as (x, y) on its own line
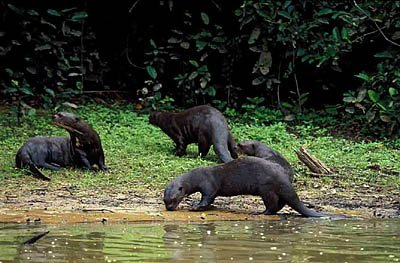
(69, 121)
(173, 194)
(153, 118)
(246, 148)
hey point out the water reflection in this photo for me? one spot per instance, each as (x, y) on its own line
(297, 240)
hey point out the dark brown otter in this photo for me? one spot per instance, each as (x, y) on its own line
(82, 149)
(243, 176)
(259, 149)
(203, 125)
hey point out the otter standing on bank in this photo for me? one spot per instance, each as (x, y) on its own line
(243, 176)
(260, 150)
(203, 125)
(82, 149)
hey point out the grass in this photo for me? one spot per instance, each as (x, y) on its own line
(140, 156)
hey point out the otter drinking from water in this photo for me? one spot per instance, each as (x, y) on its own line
(203, 125)
(243, 176)
(258, 149)
(82, 149)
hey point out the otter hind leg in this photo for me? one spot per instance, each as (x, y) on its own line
(272, 204)
(204, 146)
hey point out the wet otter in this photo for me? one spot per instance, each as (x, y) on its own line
(203, 125)
(243, 176)
(81, 149)
(259, 149)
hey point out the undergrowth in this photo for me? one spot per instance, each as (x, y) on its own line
(140, 156)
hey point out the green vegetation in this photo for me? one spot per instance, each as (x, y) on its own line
(140, 155)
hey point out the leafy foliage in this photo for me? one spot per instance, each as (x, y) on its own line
(45, 54)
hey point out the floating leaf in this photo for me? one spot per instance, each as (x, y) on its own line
(152, 72)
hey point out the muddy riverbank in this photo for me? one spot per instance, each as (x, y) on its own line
(27, 200)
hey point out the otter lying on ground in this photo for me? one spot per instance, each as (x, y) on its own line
(204, 125)
(82, 149)
(243, 176)
(258, 149)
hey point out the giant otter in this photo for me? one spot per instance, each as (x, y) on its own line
(243, 176)
(82, 149)
(259, 149)
(203, 124)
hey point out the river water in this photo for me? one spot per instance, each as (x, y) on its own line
(294, 240)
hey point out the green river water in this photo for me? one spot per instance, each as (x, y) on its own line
(293, 240)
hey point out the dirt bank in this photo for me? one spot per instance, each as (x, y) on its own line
(26, 200)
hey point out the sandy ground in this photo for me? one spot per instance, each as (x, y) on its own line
(31, 201)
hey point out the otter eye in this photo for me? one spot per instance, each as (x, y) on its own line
(180, 188)
(77, 119)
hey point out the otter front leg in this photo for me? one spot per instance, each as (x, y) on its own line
(206, 201)
(82, 157)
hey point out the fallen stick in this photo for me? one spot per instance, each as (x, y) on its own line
(35, 238)
(316, 166)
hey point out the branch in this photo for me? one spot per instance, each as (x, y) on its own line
(376, 25)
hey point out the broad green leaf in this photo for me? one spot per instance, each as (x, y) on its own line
(26, 91)
(152, 72)
(31, 70)
(42, 47)
(79, 16)
(205, 18)
(336, 34)
(201, 45)
(393, 92)
(32, 12)
(50, 91)
(53, 12)
(385, 118)
(370, 115)
(193, 75)
(194, 63)
(254, 35)
(211, 91)
(384, 54)
(284, 14)
(361, 95)
(363, 76)
(374, 97)
(345, 33)
(325, 11)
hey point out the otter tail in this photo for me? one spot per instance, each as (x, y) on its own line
(291, 198)
(24, 160)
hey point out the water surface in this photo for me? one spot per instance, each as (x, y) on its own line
(296, 240)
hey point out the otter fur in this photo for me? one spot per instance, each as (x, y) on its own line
(82, 149)
(259, 149)
(243, 176)
(203, 125)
